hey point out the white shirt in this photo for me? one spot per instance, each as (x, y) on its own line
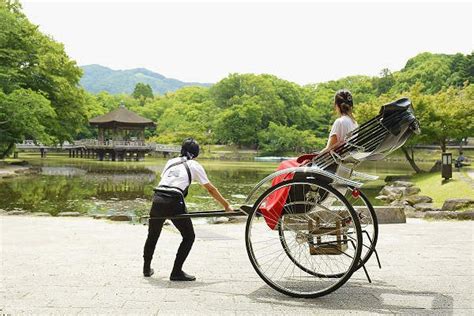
(177, 176)
(341, 127)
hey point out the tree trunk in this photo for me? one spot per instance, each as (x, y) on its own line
(443, 145)
(411, 159)
(5, 153)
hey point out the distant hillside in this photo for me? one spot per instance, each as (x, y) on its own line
(98, 78)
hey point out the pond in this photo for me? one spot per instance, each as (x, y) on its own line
(64, 184)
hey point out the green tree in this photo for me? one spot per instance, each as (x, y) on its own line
(142, 92)
(435, 71)
(23, 114)
(462, 70)
(317, 113)
(280, 139)
(33, 61)
(258, 89)
(240, 124)
(446, 115)
(188, 112)
(185, 120)
(384, 83)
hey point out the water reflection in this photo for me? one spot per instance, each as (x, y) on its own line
(86, 188)
(62, 171)
(41, 193)
(91, 187)
(125, 190)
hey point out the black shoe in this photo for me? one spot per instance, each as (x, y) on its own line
(182, 276)
(148, 272)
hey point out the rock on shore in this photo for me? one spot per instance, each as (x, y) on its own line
(17, 212)
(69, 214)
(398, 190)
(417, 199)
(456, 204)
(12, 170)
(404, 194)
(467, 215)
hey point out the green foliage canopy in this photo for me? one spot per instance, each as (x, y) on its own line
(142, 91)
(23, 114)
(279, 139)
(35, 67)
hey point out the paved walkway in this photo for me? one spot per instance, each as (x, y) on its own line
(468, 177)
(470, 173)
(87, 266)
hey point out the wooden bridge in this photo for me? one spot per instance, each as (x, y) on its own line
(112, 149)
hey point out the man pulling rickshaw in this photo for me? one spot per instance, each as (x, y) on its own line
(168, 200)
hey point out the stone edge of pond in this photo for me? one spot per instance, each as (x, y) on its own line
(443, 215)
(113, 217)
(9, 170)
(429, 215)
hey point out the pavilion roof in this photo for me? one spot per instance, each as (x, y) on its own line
(119, 116)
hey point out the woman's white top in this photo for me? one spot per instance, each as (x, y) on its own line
(177, 176)
(342, 126)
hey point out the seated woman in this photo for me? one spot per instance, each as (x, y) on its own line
(345, 122)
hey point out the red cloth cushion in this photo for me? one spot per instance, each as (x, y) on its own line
(272, 207)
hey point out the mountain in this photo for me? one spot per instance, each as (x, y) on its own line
(98, 78)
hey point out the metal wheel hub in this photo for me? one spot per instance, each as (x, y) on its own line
(301, 238)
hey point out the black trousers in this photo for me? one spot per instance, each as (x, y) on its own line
(168, 205)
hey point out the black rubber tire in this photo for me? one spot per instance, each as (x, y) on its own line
(343, 278)
(375, 236)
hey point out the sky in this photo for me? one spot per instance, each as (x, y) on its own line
(304, 42)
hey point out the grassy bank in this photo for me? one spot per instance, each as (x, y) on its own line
(431, 184)
(226, 152)
(229, 152)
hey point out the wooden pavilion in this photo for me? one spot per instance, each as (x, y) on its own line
(121, 136)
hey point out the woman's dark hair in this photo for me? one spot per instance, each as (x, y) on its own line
(189, 148)
(343, 100)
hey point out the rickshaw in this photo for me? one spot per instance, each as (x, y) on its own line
(313, 227)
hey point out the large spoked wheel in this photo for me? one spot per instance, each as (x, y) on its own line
(307, 244)
(369, 226)
(368, 222)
